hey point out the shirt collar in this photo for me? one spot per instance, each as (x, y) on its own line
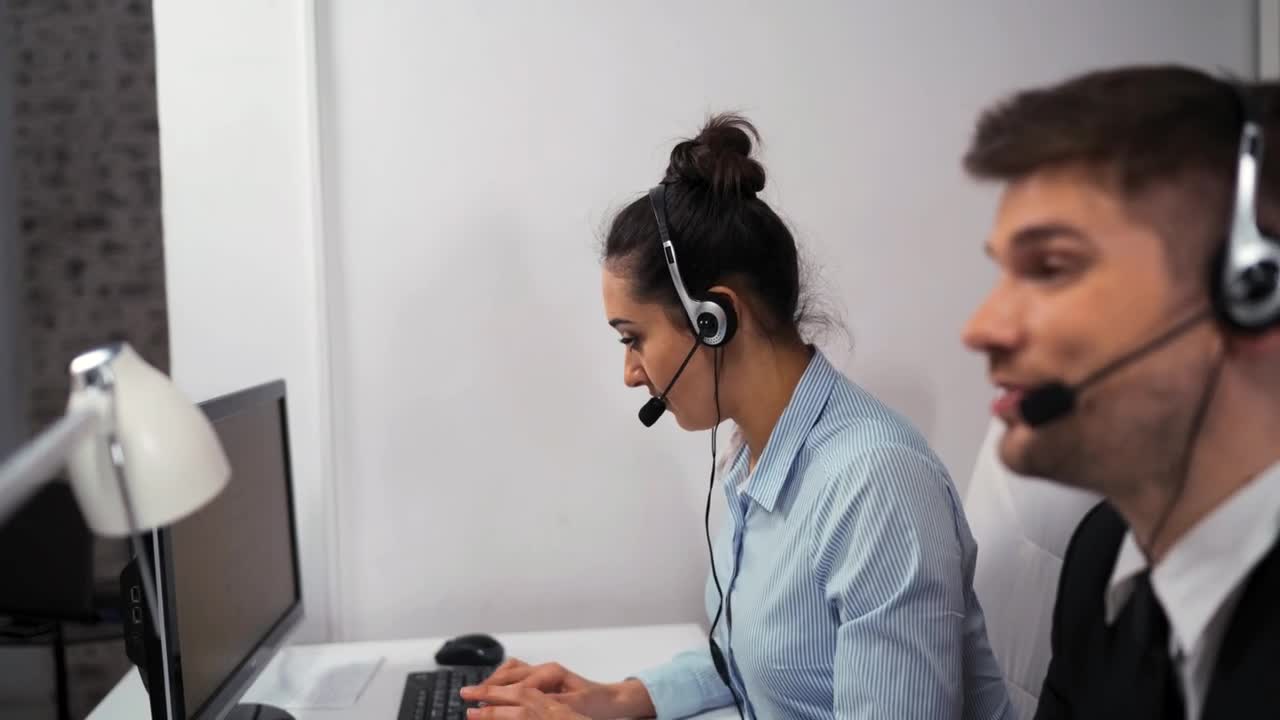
(1208, 564)
(773, 468)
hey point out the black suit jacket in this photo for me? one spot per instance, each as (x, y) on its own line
(1246, 677)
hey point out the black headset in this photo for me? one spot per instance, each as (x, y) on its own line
(712, 317)
(714, 322)
(1246, 276)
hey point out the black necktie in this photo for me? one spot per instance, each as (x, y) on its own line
(1144, 681)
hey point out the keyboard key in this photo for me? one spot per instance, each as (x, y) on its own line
(434, 695)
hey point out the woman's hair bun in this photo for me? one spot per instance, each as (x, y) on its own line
(719, 158)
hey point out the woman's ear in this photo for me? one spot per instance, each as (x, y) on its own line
(733, 306)
(732, 295)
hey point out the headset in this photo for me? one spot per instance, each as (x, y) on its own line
(1246, 276)
(714, 322)
(713, 319)
(1244, 279)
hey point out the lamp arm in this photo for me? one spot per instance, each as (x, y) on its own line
(39, 461)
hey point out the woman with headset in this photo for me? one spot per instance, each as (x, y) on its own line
(846, 564)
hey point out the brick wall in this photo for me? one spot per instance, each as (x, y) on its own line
(85, 236)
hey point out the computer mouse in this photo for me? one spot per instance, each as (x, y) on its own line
(476, 649)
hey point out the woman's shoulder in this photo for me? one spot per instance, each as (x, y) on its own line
(860, 447)
(866, 457)
(856, 423)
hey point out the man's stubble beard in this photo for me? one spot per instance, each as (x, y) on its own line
(1126, 436)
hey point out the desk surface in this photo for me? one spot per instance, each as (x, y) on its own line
(604, 655)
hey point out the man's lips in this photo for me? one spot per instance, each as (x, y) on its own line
(1005, 405)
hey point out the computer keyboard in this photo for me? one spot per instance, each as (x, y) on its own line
(433, 695)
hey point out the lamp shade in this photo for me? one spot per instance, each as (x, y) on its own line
(169, 455)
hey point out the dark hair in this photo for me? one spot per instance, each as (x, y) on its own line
(1139, 129)
(722, 232)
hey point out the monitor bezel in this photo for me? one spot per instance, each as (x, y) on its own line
(168, 701)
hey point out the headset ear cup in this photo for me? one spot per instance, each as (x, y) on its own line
(1236, 314)
(723, 302)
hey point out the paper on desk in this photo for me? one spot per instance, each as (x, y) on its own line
(314, 678)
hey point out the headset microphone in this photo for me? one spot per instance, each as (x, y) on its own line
(657, 405)
(1054, 400)
(1046, 403)
(652, 410)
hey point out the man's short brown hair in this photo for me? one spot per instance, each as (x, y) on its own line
(1165, 137)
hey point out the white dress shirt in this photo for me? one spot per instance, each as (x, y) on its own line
(1199, 581)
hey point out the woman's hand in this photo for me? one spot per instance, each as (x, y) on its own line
(557, 683)
(512, 702)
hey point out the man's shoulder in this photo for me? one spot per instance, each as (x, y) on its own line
(1097, 538)
(1087, 566)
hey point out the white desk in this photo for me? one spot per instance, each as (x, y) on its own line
(604, 655)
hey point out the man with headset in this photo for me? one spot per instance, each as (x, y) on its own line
(1134, 334)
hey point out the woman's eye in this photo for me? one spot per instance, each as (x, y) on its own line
(632, 342)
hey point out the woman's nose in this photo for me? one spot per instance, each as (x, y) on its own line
(633, 374)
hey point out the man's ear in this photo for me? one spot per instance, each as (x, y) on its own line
(1255, 347)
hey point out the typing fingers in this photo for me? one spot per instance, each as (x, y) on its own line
(498, 712)
(550, 677)
(510, 672)
(509, 702)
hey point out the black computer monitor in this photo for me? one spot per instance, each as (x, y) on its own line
(227, 576)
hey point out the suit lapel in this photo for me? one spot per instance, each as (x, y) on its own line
(1246, 676)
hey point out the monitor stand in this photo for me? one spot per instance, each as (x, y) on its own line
(252, 711)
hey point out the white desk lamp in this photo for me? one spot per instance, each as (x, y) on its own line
(139, 454)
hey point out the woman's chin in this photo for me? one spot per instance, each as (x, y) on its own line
(692, 424)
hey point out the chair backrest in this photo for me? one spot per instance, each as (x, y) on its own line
(1022, 526)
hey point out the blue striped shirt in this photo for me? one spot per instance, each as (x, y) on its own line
(849, 566)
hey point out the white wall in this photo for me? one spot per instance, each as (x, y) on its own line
(1269, 39)
(492, 474)
(242, 241)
